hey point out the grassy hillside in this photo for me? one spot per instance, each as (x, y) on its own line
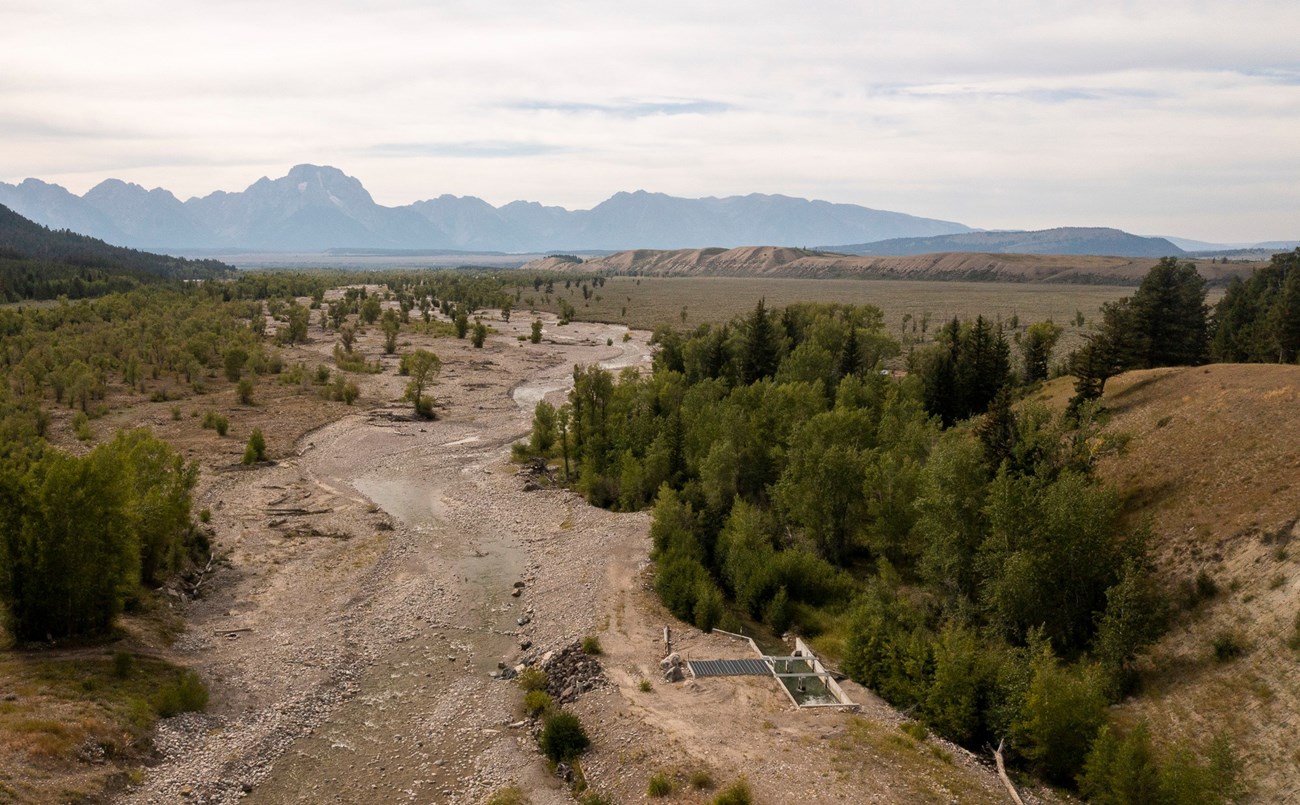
(40, 263)
(1214, 465)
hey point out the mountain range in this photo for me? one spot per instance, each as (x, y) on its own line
(316, 208)
(1070, 240)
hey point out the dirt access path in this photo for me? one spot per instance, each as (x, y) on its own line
(350, 640)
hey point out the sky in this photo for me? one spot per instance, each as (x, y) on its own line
(1160, 117)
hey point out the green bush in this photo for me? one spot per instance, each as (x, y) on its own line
(591, 645)
(563, 738)
(593, 798)
(537, 702)
(185, 694)
(777, 613)
(737, 793)
(659, 786)
(1228, 645)
(214, 421)
(81, 427)
(1064, 709)
(700, 779)
(533, 679)
(255, 451)
(709, 605)
(1128, 769)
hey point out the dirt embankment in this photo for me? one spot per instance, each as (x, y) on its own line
(776, 261)
(1213, 466)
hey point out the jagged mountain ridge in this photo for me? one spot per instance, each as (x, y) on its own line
(314, 208)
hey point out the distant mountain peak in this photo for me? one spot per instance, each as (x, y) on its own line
(319, 207)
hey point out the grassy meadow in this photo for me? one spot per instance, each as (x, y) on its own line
(914, 309)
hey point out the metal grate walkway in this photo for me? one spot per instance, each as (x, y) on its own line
(729, 668)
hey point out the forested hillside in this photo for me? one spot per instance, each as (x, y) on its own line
(40, 263)
(956, 551)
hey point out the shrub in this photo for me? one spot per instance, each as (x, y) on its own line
(533, 679)
(1063, 710)
(510, 795)
(185, 694)
(737, 793)
(256, 449)
(244, 391)
(1129, 769)
(591, 645)
(214, 421)
(915, 729)
(123, 663)
(81, 426)
(563, 737)
(700, 779)
(645, 687)
(659, 786)
(176, 413)
(479, 335)
(537, 702)
(777, 613)
(536, 336)
(1206, 587)
(592, 798)
(1228, 645)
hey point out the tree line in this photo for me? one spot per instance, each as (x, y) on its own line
(958, 550)
(1166, 322)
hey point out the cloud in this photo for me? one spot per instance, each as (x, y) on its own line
(1167, 115)
(470, 150)
(625, 108)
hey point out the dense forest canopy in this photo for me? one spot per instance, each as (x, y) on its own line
(40, 263)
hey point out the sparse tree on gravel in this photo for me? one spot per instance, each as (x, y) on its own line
(423, 367)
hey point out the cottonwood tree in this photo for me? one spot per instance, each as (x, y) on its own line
(423, 367)
(391, 324)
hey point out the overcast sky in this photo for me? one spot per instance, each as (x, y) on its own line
(1156, 116)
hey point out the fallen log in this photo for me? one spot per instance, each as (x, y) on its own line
(1002, 774)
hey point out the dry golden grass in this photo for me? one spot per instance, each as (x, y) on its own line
(1214, 466)
(69, 723)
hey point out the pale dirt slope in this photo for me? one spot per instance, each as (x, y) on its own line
(1214, 464)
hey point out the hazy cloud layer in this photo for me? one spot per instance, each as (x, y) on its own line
(1157, 117)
